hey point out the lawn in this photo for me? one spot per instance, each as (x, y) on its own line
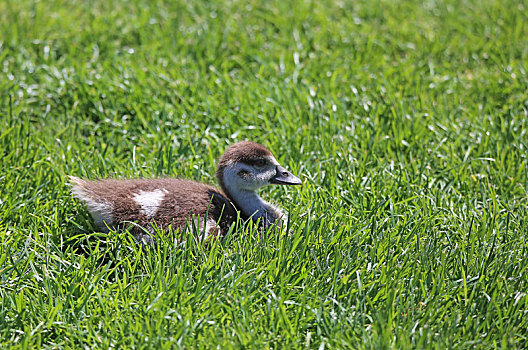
(406, 120)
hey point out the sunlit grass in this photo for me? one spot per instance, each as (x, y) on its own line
(407, 122)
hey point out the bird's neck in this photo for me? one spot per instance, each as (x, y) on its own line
(253, 206)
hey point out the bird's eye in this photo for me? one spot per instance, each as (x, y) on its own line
(260, 162)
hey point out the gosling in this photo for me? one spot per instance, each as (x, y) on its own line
(242, 170)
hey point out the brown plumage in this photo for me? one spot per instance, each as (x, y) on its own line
(244, 167)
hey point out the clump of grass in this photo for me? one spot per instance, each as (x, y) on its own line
(407, 121)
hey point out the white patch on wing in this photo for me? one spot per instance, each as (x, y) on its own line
(150, 201)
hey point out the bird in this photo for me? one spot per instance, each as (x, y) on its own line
(242, 170)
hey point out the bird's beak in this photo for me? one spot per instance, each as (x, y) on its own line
(284, 177)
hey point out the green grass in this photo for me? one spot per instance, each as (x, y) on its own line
(406, 120)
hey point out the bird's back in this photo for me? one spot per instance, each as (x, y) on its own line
(166, 202)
